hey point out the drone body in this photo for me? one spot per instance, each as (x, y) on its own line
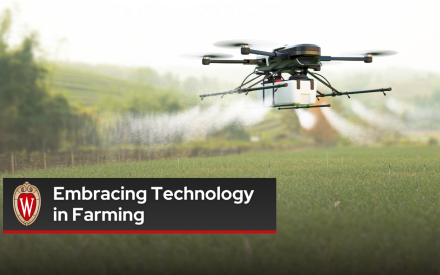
(299, 91)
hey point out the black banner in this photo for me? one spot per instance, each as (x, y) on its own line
(136, 205)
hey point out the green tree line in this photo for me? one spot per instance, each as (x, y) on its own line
(35, 118)
(31, 118)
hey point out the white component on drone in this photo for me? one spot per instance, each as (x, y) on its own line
(298, 92)
(261, 57)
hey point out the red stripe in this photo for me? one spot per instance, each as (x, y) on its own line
(139, 231)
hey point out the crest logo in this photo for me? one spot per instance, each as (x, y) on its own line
(27, 203)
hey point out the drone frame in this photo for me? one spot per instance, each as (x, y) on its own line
(296, 60)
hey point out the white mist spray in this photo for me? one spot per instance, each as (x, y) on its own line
(192, 124)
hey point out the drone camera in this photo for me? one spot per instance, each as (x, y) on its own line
(368, 58)
(206, 60)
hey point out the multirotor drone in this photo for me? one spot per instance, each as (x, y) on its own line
(299, 91)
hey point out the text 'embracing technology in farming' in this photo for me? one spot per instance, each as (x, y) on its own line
(140, 205)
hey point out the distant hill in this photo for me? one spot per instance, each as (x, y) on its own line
(92, 88)
(88, 87)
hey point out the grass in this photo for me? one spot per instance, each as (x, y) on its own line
(381, 226)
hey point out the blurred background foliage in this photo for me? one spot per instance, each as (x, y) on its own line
(46, 106)
(31, 117)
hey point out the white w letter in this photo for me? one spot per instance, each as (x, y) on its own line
(26, 207)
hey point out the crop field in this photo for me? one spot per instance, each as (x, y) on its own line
(90, 88)
(339, 211)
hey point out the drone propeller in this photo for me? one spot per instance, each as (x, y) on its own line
(241, 42)
(202, 55)
(373, 53)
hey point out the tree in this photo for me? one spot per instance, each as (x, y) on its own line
(31, 118)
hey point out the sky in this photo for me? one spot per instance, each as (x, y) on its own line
(154, 33)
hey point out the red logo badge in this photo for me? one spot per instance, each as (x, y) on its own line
(27, 203)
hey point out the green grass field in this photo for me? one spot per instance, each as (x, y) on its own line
(388, 221)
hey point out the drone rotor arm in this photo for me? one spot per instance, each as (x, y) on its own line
(367, 58)
(207, 61)
(245, 50)
(229, 61)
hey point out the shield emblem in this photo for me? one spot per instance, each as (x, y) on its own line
(27, 203)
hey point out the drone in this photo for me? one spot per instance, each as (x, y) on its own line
(298, 91)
